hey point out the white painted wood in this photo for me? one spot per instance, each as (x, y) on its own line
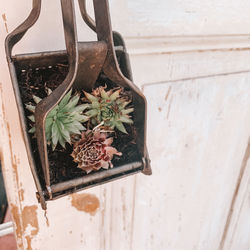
(181, 17)
(174, 58)
(237, 233)
(159, 68)
(171, 44)
(191, 134)
(191, 59)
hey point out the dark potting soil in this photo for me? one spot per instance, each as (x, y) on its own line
(62, 168)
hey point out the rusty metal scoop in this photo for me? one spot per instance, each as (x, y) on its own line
(86, 61)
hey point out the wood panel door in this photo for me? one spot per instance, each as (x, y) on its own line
(191, 59)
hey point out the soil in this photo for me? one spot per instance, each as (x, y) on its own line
(62, 168)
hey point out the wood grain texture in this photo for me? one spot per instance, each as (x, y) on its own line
(159, 68)
(236, 233)
(191, 59)
(196, 150)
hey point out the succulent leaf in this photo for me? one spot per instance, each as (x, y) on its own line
(92, 112)
(104, 94)
(30, 107)
(64, 120)
(127, 111)
(32, 118)
(36, 99)
(109, 107)
(90, 97)
(49, 91)
(81, 108)
(54, 135)
(120, 126)
(78, 125)
(125, 119)
(65, 99)
(32, 130)
(115, 95)
(72, 103)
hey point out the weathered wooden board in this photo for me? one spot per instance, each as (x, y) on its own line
(197, 135)
(198, 92)
(155, 68)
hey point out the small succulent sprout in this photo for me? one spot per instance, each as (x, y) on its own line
(64, 120)
(94, 151)
(109, 107)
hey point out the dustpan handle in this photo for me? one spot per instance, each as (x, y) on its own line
(112, 71)
(91, 22)
(16, 35)
(117, 38)
(48, 103)
(104, 33)
(85, 16)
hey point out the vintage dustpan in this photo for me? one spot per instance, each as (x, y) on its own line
(86, 61)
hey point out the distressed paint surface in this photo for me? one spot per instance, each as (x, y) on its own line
(196, 161)
(88, 203)
(236, 235)
(177, 18)
(198, 92)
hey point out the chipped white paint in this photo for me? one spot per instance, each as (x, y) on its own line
(197, 85)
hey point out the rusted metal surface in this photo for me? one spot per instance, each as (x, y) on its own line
(96, 178)
(84, 59)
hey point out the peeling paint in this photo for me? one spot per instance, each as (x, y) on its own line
(28, 239)
(88, 203)
(27, 217)
(18, 224)
(21, 194)
(3, 113)
(4, 17)
(5, 22)
(14, 209)
(46, 218)
(15, 171)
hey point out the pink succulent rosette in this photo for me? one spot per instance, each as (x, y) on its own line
(94, 151)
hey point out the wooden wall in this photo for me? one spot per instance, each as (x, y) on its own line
(192, 60)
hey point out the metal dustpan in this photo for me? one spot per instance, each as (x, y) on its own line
(86, 62)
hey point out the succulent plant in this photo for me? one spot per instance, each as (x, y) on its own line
(94, 151)
(62, 121)
(109, 107)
